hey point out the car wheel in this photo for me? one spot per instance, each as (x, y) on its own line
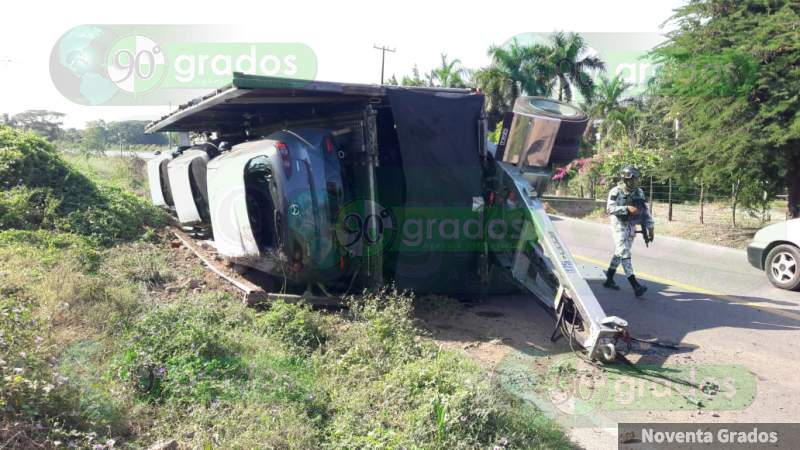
(783, 267)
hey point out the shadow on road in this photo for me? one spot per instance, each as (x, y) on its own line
(672, 313)
(494, 326)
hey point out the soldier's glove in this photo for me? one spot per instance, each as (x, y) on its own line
(652, 233)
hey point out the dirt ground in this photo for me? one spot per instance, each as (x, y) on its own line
(194, 277)
(510, 337)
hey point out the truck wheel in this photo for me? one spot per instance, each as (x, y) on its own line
(783, 267)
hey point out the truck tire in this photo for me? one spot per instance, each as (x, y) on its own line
(783, 267)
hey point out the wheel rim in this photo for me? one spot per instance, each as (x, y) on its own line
(783, 267)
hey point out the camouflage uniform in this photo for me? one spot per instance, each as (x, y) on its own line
(624, 224)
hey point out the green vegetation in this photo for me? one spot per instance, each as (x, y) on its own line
(42, 191)
(720, 114)
(99, 135)
(729, 76)
(96, 352)
(95, 138)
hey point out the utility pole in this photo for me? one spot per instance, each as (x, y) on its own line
(383, 50)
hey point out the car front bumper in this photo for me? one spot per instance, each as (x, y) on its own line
(755, 256)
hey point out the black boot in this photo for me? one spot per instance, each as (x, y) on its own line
(610, 280)
(638, 289)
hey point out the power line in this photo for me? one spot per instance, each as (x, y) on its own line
(383, 50)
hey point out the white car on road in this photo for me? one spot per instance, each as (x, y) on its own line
(776, 250)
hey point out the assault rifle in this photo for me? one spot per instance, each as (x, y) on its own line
(641, 205)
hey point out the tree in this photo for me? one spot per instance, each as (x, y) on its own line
(539, 70)
(622, 124)
(70, 136)
(607, 99)
(609, 94)
(498, 90)
(523, 65)
(729, 75)
(42, 122)
(95, 137)
(569, 65)
(131, 132)
(449, 74)
(513, 72)
(414, 79)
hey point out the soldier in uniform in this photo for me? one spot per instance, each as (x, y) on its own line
(627, 208)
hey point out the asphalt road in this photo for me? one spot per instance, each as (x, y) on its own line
(709, 267)
(709, 299)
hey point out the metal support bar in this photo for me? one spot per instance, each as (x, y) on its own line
(374, 261)
(252, 294)
(601, 328)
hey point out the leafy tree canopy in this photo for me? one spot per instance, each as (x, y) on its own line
(731, 81)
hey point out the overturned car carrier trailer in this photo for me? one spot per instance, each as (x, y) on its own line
(331, 187)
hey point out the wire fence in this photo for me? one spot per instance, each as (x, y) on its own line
(689, 204)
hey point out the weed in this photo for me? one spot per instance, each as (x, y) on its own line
(179, 352)
(139, 262)
(295, 325)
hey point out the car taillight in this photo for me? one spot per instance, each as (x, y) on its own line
(283, 151)
(329, 145)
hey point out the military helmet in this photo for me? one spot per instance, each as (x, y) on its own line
(630, 171)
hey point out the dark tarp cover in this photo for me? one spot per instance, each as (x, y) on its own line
(438, 136)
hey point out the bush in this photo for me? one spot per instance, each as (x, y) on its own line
(244, 425)
(110, 215)
(380, 336)
(219, 380)
(58, 274)
(42, 191)
(28, 159)
(22, 358)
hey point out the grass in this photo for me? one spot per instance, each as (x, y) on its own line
(127, 173)
(92, 355)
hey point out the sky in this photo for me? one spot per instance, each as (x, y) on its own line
(341, 34)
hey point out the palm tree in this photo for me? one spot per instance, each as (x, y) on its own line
(606, 99)
(623, 124)
(514, 71)
(570, 66)
(414, 79)
(449, 74)
(522, 64)
(608, 95)
(498, 92)
(538, 69)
